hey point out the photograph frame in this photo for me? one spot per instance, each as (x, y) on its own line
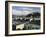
(6, 18)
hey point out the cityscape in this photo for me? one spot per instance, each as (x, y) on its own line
(25, 18)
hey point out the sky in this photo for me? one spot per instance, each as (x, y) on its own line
(20, 10)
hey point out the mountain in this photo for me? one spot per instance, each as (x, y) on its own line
(34, 14)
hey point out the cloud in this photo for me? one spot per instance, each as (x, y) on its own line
(20, 13)
(19, 10)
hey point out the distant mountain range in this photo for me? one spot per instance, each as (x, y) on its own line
(35, 14)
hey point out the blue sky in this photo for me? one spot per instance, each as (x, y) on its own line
(20, 10)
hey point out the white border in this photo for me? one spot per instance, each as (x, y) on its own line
(24, 31)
